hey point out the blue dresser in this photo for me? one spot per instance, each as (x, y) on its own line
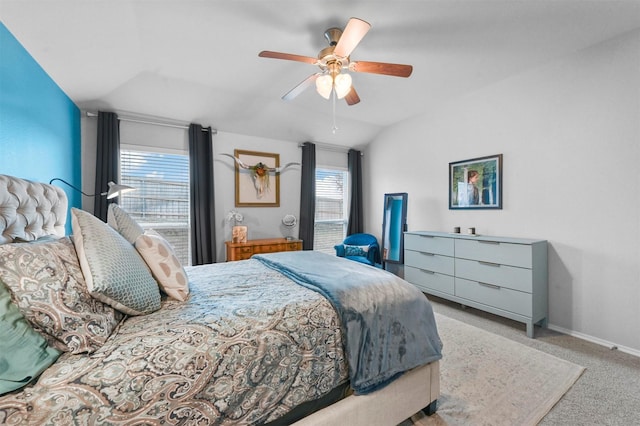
(504, 276)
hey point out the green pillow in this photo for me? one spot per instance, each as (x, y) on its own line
(24, 353)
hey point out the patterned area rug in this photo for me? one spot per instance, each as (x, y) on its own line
(487, 379)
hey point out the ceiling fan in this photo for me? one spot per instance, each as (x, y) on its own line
(335, 59)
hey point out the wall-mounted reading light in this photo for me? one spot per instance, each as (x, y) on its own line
(114, 189)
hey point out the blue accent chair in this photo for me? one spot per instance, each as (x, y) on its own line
(362, 248)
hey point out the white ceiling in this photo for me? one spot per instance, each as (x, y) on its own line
(197, 61)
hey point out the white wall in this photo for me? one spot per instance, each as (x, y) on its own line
(570, 133)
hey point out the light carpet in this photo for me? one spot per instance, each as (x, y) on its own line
(486, 379)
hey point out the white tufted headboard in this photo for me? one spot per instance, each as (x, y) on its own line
(30, 210)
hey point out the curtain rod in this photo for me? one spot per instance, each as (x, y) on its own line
(155, 122)
(330, 147)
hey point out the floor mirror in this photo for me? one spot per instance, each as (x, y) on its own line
(394, 223)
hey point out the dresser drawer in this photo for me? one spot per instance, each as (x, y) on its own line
(244, 250)
(498, 297)
(429, 244)
(294, 246)
(269, 248)
(496, 252)
(428, 280)
(429, 261)
(494, 273)
(242, 256)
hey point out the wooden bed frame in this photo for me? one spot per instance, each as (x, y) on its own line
(30, 210)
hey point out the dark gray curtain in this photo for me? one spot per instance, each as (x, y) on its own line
(356, 223)
(203, 231)
(308, 195)
(107, 160)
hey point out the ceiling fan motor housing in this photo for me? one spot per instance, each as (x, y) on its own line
(327, 60)
(333, 35)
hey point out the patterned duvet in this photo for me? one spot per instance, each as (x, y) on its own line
(245, 348)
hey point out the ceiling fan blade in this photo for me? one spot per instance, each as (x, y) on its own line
(301, 87)
(352, 97)
(288, 56)
(396, 70)
(351, 36)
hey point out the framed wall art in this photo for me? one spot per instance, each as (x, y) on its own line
(476, 183)
(257, 184)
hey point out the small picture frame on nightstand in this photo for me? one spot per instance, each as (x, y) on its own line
(239, 234)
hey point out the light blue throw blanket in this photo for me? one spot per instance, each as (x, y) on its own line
(389, 323)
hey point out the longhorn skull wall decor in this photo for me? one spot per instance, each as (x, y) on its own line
(257, 167)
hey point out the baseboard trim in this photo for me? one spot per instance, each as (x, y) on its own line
(595, 340)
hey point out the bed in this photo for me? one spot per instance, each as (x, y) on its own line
(270, 340)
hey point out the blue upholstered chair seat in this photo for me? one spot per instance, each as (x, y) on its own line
(361, 248)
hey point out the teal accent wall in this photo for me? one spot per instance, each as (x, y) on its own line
(40, 134)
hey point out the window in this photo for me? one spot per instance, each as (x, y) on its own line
(331, 219)
(161, 201)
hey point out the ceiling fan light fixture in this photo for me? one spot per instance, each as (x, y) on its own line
(324, 85)
(342, 84)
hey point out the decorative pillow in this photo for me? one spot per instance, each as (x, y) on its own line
(355, 250)
(164, 264)
(24, 353)
(113, 270)
(126, 226)
(49, 289)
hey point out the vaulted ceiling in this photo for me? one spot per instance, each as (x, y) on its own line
(197, 61)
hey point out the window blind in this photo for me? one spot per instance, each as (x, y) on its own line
(331, 216)
(161, 201)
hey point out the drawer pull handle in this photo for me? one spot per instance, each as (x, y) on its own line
(495, 287)
(426, 254)
(496, 265)
(426, 271)
(427, 236)
(489, 242)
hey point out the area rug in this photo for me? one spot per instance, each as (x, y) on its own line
(486, 379)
